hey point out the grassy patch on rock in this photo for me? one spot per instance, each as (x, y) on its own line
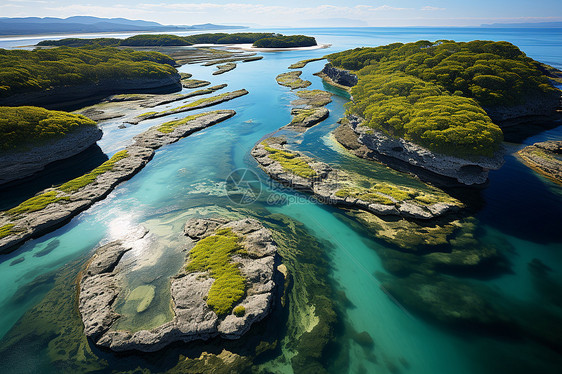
(6, 230)
(80, 182)
(41, 201)
(382, 193)
(314, 98)
(213, 254)
(170, 126)
(290, 162)
(239, 311)
(303, 63)
(36, 203)
(292, 80)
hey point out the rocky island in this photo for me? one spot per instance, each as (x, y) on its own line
(545, 158)
(430, 108)
(292, 80)
(226, 284)
(70, 76)
(338, 187)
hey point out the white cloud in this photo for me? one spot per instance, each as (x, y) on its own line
(429, 8)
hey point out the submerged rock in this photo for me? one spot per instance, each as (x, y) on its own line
(448, 301)
(194, 317)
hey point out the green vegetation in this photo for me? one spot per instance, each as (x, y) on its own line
(213, 254)
(36, 203)
(302, 115)
(42, 69)
(433, 93)
(27, 125)
(224, 38)
(364, 194)
(203, 101)
(390, 194)
(282, 41)
(147, 114)
(170, 126)
(290, 161)
(292, 80)
(147, 40)
(84, 180)
(239, 311)
(154, 40)
(303, 63)
(258, 39)
(6, 230)
(78, 42)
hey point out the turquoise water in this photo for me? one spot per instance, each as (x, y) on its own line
(519, 209)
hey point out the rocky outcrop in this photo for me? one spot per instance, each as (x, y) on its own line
(65, 96)
(292, 80)
(194, 83)
(373, 144)
(545, 158)
(225, 68)
(340, 76)
(199, 104)
(21, 164)
(338, 187)
(306, 118)
(65, 204)
(193, 318)
(310, 109)
(151, 100)
(544, 105)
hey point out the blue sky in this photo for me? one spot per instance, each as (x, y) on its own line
(299, 13)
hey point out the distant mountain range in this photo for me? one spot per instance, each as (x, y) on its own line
(87, 24)
(526, 25)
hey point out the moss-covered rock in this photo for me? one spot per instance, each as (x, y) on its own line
(344, 188)
(292, 80)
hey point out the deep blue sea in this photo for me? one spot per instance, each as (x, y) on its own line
(519, 209)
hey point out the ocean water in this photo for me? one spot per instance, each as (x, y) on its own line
(519, 209)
